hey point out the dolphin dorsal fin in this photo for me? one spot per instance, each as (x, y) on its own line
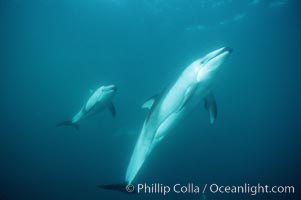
(210, 105)
(149, 102)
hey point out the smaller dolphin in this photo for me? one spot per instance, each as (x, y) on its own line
(99, 100)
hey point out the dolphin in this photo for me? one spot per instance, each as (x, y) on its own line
(172, 106)
(98, 101)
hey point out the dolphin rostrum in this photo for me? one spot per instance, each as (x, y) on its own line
(98, 101)
(167, 110)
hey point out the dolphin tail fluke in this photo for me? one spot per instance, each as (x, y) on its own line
(68, 123)
(120, 187)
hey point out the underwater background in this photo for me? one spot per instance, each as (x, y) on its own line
(54, 51)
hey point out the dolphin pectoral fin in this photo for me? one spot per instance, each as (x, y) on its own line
(120, 187)
(68, 123)
(210, 105)
(112, 109)
(149, 102)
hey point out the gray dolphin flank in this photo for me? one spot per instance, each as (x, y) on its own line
(169, 109)
(97, 102)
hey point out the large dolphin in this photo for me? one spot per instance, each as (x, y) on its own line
(98, 101)
(167, 110)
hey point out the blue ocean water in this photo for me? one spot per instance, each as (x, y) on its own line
(54, 52)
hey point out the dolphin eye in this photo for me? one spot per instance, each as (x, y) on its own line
(203, 61)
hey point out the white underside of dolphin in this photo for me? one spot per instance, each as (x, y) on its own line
(167, 110)
(97, 102)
